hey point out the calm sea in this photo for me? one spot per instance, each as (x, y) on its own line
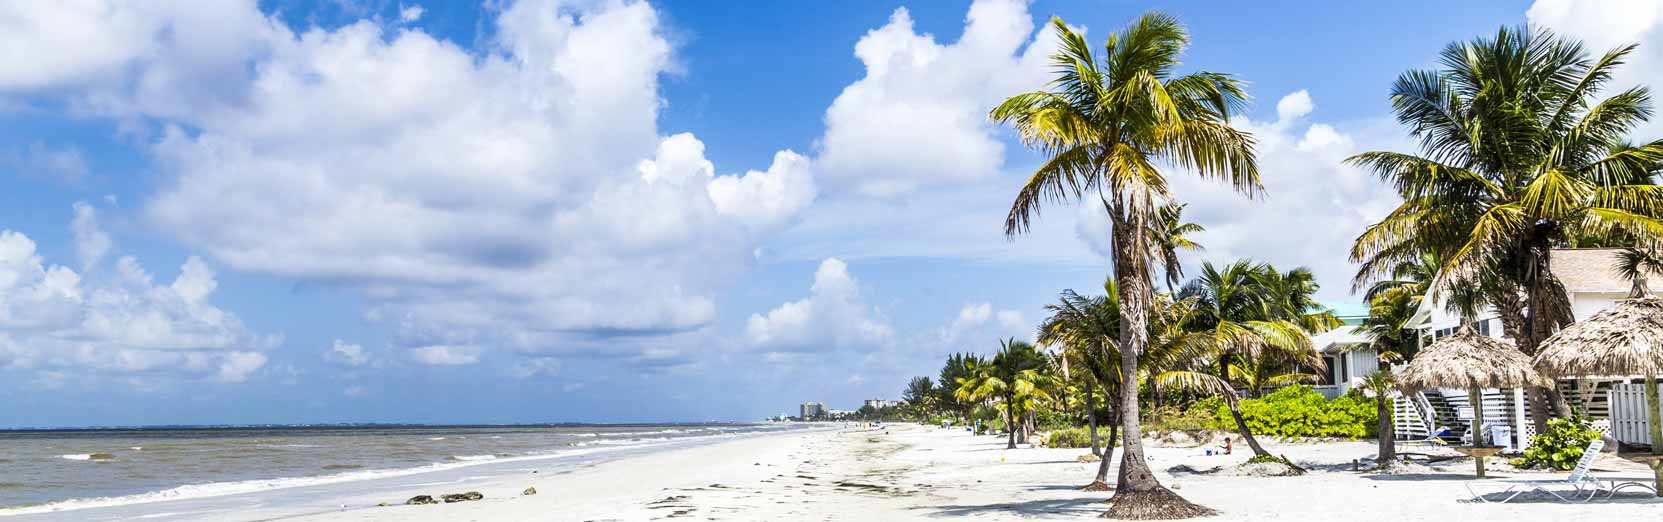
(43, 469)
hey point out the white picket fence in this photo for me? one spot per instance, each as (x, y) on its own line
(1628, 413)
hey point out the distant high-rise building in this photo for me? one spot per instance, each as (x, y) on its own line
(878, 404)
(810, 410)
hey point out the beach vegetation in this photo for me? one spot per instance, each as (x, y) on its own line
(1560, 446)
(1015, 382)
(1382, 383)
(1106, 124)
(1298, 411)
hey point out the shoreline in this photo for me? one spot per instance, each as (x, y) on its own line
(902, 472)
(207, 493)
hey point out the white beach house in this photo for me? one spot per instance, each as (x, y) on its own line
(1348, 355)
(1593, 284)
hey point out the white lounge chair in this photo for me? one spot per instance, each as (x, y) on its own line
(1435, 438)
(1579, 481)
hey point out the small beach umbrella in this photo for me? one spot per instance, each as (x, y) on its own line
(1470, 361)
(1625, 339)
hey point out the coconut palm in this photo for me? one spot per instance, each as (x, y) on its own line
(1382, 383)
(1168, 234)
(1291, 296)
(1634, 262)
(1252, 342)
(1517, 155)
(1387, 324)
(1107, 123)
(1087, 329)
(1014, 378)
(1413, 277)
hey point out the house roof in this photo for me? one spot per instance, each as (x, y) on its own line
(1591, 270)
(1340, 336)
(1581, 270)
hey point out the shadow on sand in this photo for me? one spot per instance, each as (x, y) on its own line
(1082, 507)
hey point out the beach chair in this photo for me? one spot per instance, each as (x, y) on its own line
(1579, 482)
(1435, 438)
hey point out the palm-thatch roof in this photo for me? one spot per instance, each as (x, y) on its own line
(1625, 339)
(1469, 360)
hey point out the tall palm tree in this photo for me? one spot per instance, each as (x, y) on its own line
(1107, 123)
(1168, 234)
(1517, 156)
(1013, 377)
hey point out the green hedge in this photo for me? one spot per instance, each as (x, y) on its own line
(1299, 411)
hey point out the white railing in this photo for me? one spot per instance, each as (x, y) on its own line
(1628, 413)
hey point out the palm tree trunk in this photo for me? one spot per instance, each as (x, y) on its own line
(1549, 310)
(1091, 421)
(1388, 439)
(1515, 324)
(1653, 404)
(1138, 495)
(1241, 424)
(1010, 420)
(1101, 481)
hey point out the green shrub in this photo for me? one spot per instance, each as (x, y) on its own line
(1051, 419)
(1263, 459)
(1560, 447)
(1077, 437)
(1299, 411)
(1200, 416)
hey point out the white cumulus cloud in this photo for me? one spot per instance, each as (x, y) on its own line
(833, 316)
(519, 194)
(919, 116)
(117, 320)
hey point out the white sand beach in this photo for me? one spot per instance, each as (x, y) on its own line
(909, 472)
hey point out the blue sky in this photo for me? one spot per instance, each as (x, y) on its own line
(604, 210)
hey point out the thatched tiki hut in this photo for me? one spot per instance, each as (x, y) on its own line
(1625, 339)
(1472, 362)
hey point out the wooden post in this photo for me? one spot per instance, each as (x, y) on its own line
(1476, 395)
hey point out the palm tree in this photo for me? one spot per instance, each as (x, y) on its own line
(1013, 377)
(1168, 234)
(1387, 325)
(1269, 369)
(919, 394)
(1087, 328)
(1291, 296)
(1413, 276)
(1634, 262)
(959, 366)
(1517, 156)
(1107, 123)
(1252, 342)
(1381, 383)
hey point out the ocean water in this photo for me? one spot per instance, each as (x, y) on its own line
(42, 471)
